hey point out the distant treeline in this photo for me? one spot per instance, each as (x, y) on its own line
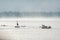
(29, 14)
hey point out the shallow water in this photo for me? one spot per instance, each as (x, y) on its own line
(31, 31)
(30, 34)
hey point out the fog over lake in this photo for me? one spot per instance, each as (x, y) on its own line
(29, 14)
(29, 19)
(32, 31)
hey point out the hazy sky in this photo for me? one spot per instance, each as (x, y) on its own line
(30, 5)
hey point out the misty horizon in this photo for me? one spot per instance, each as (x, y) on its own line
(29, 8)
(29, 14)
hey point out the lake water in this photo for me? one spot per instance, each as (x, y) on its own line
(31, 31)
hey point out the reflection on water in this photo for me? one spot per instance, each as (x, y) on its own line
(30, 34)
(31, 31)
